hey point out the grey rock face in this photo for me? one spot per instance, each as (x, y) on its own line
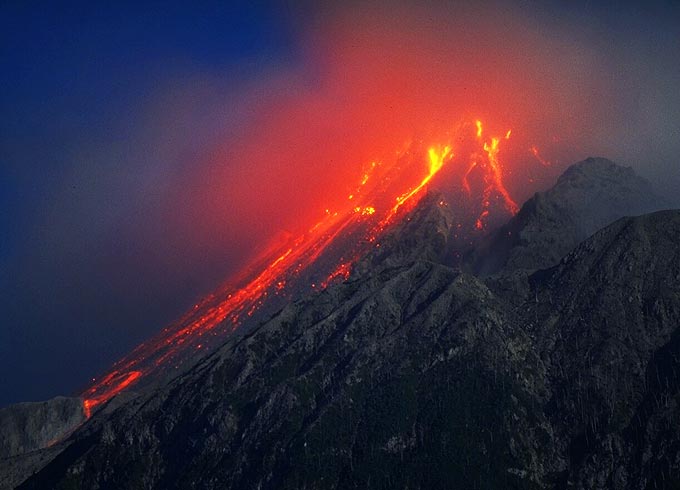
(588, 196)
(415, 375)
(31, 435)
(26, 427)
(608, 330)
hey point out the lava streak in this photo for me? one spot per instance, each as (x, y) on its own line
(116, 383)
(320, 256)
(493, 178)
(436, 159)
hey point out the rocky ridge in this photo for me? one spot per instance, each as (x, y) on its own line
(588, 196)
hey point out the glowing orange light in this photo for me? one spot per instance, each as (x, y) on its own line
(466, 175)
(367, 212)
(479, 224)
(534, 151)
(117, 384)
(343, 270)
(494, 183)
(436, 159)
(497, 175)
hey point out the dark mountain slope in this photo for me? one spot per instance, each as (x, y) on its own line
(414, 375)
(588, 196)
(609, 318)
(373, 383)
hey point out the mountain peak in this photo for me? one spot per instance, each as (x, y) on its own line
(592, 167)
(588, 196)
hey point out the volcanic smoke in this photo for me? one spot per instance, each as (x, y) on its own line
(342, 147)
(327, 251)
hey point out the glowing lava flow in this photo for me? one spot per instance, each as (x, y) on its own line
(332, 246)
(436, 159)
(493, 179)
(229, 307)
(118, 384)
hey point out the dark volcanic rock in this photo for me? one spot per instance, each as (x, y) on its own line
(424, 234)
(31, 433)
(414, 375)
(376, 383)
(588, 196)
(26, 427)
(609, 318)
(373, 383)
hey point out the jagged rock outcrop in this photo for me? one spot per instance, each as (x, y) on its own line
(31, 435)
(26, 427)
(412, 374)
(588, 196)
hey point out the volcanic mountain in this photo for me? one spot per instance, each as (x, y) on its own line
(557, 367)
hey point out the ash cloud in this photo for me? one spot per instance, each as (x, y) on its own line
(197, 167)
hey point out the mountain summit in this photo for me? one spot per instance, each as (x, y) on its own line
(588, 196)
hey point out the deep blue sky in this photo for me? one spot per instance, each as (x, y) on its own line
(105, 108)
(72, 83)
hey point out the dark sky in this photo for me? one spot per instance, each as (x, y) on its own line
(123, 199)
(83, 166)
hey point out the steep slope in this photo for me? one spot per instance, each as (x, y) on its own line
(412, 374)
(588, 196)
(609, 318)
(372, 383)
(28, 426)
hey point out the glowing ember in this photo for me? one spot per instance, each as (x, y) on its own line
(333, 245)
(367, 210)
(343, 270)
(116, 383)
(534, 151)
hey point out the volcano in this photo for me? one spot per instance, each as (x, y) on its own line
(416, 338)
(466, 161)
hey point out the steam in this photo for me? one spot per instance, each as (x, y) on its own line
(373, 78)
(213, 166)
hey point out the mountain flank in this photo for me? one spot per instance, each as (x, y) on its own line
(546, 371)
(588, 196)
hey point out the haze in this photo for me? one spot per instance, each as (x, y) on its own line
(146, 155)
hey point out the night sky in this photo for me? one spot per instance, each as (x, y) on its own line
(147, 152)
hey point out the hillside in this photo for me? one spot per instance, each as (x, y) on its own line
(413, 374)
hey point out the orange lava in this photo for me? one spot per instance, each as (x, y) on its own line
(493, 179)
(436, 160)
(341, 271)
(384, 192)
(116, 384)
